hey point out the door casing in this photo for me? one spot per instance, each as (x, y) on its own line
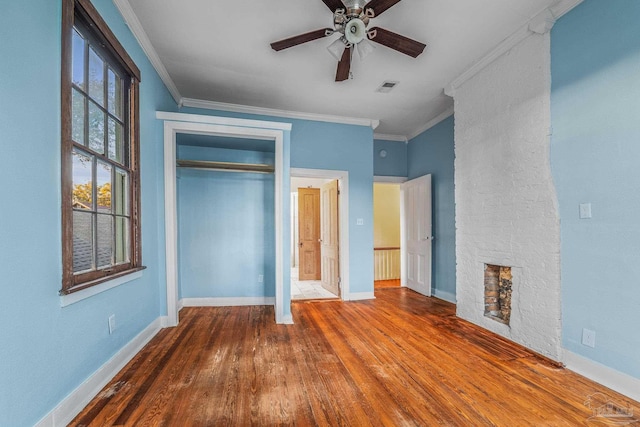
(175, 123)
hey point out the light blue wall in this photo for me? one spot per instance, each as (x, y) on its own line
(46, 350)
(394, 163)
(225, 227)
(322, 145)
(432, 152)
(595, 157)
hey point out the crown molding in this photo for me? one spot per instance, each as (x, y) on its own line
(247, 109)
(539, 24)
(431, 123)
(562, 7)
(389, 137)
(135, 26)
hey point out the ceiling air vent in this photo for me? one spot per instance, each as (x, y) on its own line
(386, 87)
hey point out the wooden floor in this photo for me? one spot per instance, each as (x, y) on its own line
(383, 284)
(399, 360)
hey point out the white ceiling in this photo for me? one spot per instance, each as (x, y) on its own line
(219, 51)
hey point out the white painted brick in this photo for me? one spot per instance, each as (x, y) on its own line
(506, 204)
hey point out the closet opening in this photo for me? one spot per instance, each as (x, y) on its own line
(226, 220)
(222, 147)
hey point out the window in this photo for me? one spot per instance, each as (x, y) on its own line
(100, 172)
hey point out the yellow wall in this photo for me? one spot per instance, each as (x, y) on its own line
(386, 215)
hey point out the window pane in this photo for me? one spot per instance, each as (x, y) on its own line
(116, 143)
(96, 128)
(77, 116)
(104, 234)
(121, 193)
(82, 241)
(96, 77)
(122, 240)
(82, 189)
(78, 60)
(103, 181)
(115, 94)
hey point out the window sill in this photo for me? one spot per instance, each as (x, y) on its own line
(83, 294)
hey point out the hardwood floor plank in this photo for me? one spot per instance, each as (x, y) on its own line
(399, 360)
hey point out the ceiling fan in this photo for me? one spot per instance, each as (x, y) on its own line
(350, 20)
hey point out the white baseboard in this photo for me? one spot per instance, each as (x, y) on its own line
(615, 380)
(75, 402)
(226, 302)
(287, 320)
(355, 296)
(447, 296)
(164, 322)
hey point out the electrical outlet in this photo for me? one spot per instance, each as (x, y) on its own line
(589, 338)
(359, 221)
(260, 278)
(112, 323)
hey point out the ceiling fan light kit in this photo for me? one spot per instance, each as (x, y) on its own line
(337, 48)
(350, 20)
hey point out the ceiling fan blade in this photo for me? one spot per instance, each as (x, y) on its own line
(302, 38)
(344, 66)
(380, 6)
(334, 4)
(396, 41)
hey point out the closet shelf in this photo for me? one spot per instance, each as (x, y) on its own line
(225, 166)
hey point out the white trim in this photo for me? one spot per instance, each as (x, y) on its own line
(226, 301)
(171, 222)
(246, 109)
(135, 26)
(388, 137)
(533, 25)
(615, 380)
(217, 120)
(358, 296)
(75, 402)
(207, 125)
(389, 179)
(431, 123)
(66, 300)
(287, 320)
(444, 295)
(343, 213)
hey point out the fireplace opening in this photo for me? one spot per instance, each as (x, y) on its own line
(497, 292)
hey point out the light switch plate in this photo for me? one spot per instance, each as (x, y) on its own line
(585, 210)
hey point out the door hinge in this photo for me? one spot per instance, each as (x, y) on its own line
(339, 280)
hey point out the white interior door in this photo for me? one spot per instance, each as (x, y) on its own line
(329, 247)
(416, 234)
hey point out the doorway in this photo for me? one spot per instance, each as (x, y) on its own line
(415, 234)
(386, 235)
(319, 238)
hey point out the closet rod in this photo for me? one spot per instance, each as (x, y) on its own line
(226, 166)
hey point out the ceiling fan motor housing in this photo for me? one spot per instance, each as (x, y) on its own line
(352, 22)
